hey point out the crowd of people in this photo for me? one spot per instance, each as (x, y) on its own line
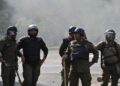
(74, 51)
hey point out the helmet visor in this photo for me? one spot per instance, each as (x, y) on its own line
(110, 35)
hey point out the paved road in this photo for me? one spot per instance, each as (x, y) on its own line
(50, 71)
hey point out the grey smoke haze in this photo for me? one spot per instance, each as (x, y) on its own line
(53, 17)
(5, 16)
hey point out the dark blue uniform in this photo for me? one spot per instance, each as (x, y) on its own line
(31, 51)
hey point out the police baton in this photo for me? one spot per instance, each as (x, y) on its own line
(8, 65)
(65, 75)
(18, 77)
(65, 72)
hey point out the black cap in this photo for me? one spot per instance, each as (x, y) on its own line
(12, 28)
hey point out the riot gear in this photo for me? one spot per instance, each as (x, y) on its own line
(66, 63)
(80, 31)
(31, 60)
(110, 34)
(109, 58)
(8, 57)
(12, 32)
(71, 29)
(12, 28)
(79, 61)
(32, 30)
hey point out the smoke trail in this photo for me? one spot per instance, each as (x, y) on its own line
(55, 16)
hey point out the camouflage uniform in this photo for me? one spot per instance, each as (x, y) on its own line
(80, 67)
(9, 55)
(66, 63)
(62, 50)
(109, 60)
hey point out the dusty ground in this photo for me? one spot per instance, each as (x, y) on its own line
(50, 71)
(52, 79)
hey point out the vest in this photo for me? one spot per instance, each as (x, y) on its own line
(109, 53)
(79, 51)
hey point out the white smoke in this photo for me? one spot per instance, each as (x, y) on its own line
(55, 16)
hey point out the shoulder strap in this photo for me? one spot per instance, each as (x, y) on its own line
(102, 48)
(116, 48)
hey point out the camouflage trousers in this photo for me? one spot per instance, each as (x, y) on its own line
(110, 72)
(8, 75)
(84, 77)
(67, 66)
(30, 74)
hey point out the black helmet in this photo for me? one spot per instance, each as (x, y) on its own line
(80, 31)
(110, 34)
(72, 29)
(12, 32)
(32, 27)
(12, 28)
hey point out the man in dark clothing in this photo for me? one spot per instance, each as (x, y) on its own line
(8, 56)
(78, 52)
(110, 51)
(62, 50)
(31, 50)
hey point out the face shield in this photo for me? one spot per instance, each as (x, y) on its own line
(110, 36)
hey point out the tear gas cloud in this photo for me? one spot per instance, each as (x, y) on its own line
(54, 17)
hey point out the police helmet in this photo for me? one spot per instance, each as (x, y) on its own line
(80, 31)
(71, 29)
(12, 28)
(32, 27)
(110, 34)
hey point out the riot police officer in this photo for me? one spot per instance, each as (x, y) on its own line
(79, 50)
(8, 56)
(32, 62)
(63, 47)
(110, 51)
